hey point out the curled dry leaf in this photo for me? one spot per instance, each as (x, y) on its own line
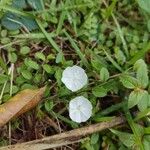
(19, 104)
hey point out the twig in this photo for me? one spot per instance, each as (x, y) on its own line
(65, 138)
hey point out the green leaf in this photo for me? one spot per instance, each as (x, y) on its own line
(141, 72)
(129, 81)
(29, 23)
(143, 103)
(19, 4)
(63, 91)
(142, 114)
(104, 74)
(20, 80)
(139, 129)
(28, 86)
(111, 85)
(26, 74)
(36, 4)
(48, 105)
(40, 55)
(13, 22)
(122, 147)
(6, 97)
(98, 62)
(24, 50)
(134, 98)
(3, 78)
(110, 9)
(15, 89)
(3, 65)
(11, 25)
(3, 33)
(99, 91)
(94, 138)
(48, 68)
(32, 64)
(144, 4)
(147, 130)
(112, 146)
(119, 55)
(86, 145)
(146, 142)
(22, 4)
(7, 88)
(12, 57)
(148, 25)
(58, 75)
(37, 78)
(126, 138)
(59, 57)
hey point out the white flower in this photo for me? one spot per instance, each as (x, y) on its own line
(74, 78)
(80, 109)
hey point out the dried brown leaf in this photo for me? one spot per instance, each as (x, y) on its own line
(19, 104)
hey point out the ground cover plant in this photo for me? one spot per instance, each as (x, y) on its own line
(68, 64)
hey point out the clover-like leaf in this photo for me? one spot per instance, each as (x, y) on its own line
(104, 74)
(129, 81)
(141, 72)
(143, 103)
(126, 138)
(139, 97)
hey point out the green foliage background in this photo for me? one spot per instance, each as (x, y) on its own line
(109, 39)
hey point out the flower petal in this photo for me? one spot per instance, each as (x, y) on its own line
(80, 109)
(74, 78)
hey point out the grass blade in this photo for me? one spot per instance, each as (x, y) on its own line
(142, 114)
(110, 109)
(82, 57)
(49, 38)
(139, 54)
(62, 18)
(113, 62)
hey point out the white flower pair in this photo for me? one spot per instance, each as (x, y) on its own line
(80, 108)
